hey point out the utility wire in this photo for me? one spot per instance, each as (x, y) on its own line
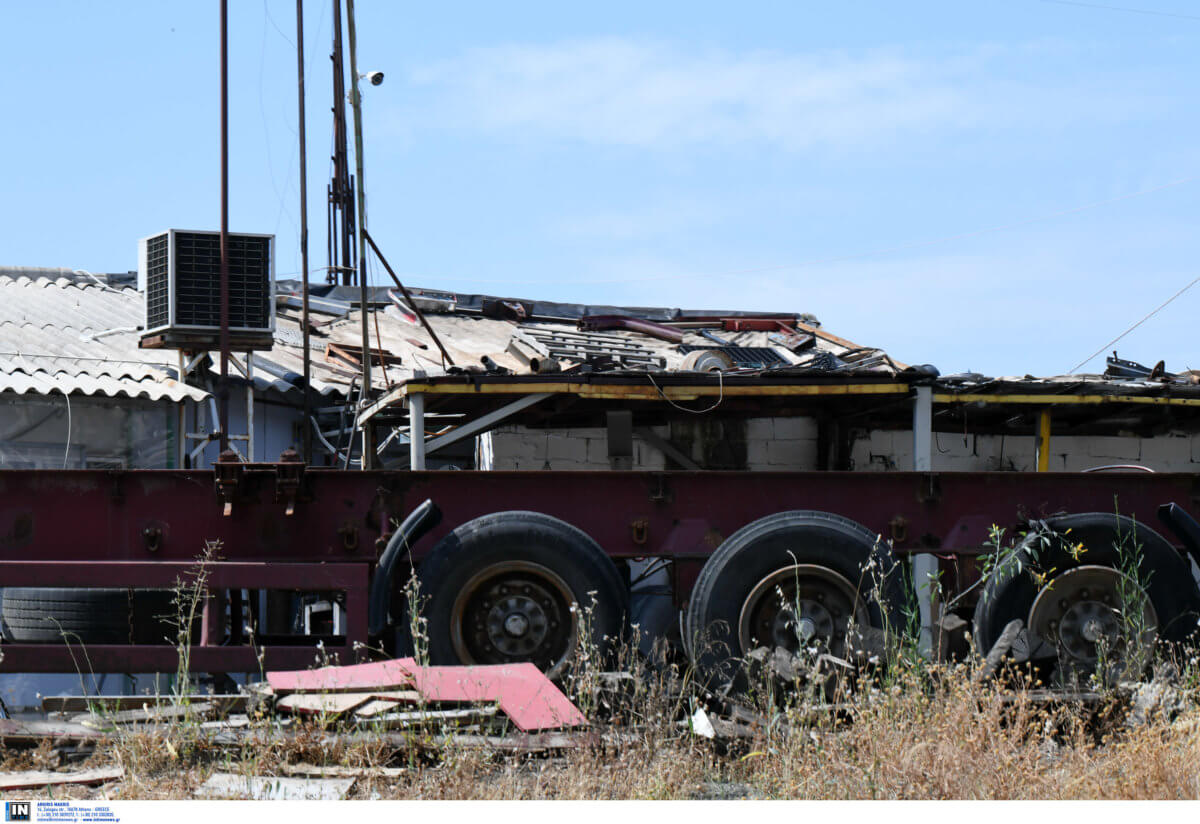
(1123, 8)
(1158, 309)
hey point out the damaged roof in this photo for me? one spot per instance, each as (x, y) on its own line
(70, 331)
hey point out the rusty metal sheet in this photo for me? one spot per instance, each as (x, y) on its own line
(522, 692)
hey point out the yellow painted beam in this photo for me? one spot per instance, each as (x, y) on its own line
(652, 392)
(1036, 400)
(1043, 445)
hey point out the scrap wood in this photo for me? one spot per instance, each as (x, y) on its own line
(231, 702)
(12, 731)
(377, 675)
(35, 779)
(147, 714)
(339, 702)
(271, 788)
(338, 771)
(416, 717)
(522, 691)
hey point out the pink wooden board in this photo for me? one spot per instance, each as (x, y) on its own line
(376, 675)
(523, 693)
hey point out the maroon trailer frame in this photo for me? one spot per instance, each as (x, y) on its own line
(284, 527)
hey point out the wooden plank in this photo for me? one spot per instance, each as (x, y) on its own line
(329, 703)
(24, 731)
(379, 675)
(230, 702)
(146, 715)
(35, 779)
(339, 702)
(271, 788)
(415, 717)
(337, 771)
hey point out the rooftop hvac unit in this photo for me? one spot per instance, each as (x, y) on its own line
(180, 273)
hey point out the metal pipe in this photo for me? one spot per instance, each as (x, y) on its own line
(412, 303)
(307, 442)
(223, 392)
(356, 103)
(416, 431)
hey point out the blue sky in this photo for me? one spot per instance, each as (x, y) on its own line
(999, 186)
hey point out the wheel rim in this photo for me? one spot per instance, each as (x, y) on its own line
(515, 611)
(800, 605)
(1080, 614)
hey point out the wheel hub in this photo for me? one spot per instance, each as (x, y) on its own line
(1082, 614)
(515, 611)
(800, 606)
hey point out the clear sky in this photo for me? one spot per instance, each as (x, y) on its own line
(995, 185)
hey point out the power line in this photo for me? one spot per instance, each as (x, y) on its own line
(1160, 307)
(1123, 8)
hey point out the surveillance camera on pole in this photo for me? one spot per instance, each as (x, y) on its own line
(376, 78)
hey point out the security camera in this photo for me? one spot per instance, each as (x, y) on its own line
(375, 77)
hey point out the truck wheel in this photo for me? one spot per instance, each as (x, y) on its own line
(789, 580)
(96, 616)
(1095, 585)
(520, 586)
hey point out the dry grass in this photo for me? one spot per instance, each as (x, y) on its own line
(920, 734)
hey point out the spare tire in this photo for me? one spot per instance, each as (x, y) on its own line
(97, 616)
(520, 586)
(788, 578)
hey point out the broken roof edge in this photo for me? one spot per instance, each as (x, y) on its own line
(473, 303)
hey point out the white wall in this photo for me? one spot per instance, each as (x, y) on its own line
(780, 444)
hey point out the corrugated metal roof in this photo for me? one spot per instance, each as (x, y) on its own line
(56, 336)
(64, 331)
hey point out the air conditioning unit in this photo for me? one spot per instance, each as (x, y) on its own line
(180, 273)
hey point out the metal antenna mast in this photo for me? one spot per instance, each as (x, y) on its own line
(342, 253)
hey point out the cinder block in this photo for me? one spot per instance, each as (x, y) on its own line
(758, 454)
(760, 429)
(597, 450)
(793, 454)
(1112, 448)
(564, 450)
(1168, 453)
(801, 429)
(647, 457)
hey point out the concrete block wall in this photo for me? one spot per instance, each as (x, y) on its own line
(790, 444)
(954, 452)
(517, 447)
(781, 444)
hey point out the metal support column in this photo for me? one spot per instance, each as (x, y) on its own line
(923, 429)
(416, 431)
(924, 566)
(1043, 441)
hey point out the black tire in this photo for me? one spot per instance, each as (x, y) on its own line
(1010, 591)
(779, 542)
(544, 565)
(96, 616)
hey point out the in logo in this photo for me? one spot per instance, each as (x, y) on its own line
(16, 810)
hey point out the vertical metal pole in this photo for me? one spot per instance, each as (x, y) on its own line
(416, 431)
(924, 566)
(368, 455)
(250, 406)
(181, 415)
(923, 429)
(1043, 441)
(223, 393)
(305, 427)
